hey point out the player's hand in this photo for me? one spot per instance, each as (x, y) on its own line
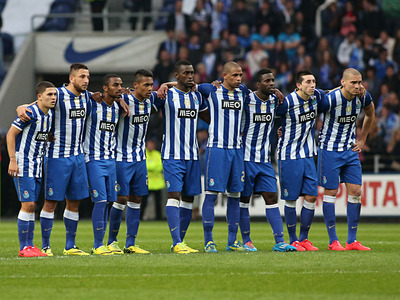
(362, 92)
(125, 107)
(97, 96)
(279, 131)
(127, 90)
(22, 111)
(162, 91)
(279, 95)
(216, 83)
(13, 168)
(51, 137)
(357, 147)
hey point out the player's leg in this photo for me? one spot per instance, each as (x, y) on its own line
(46, 224)
(329, 165)
(244, 220)
(216, 174)
(291, 180)
(185, 214)
(76, 191)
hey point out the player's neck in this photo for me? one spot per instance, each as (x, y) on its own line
(346, 94)
(108, 100)
(262, 96)
(182, 88)
(73, 90)
(137, 96)
(228, 87)
(303, 95)
(44, 109)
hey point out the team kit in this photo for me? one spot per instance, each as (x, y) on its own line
(93, 145)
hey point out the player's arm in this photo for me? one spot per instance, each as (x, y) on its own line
(366, 127)
(205, 116)
(22, 111)
(163, 89)
(11, 138)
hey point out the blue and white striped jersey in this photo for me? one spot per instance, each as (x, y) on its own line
(226, 109)
(69, 122)
(180, 112)
(338, 131)
(31, 141)
(298, 125)
(131, 131)
(257, 122)
(99, 135)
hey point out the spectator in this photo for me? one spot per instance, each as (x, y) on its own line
(284, 79)
(330, 18)
(266, 15)
(391, 79)
(234, 47)
(163, 69)
(357, 56)
(393, 148)
(396, 49)
(171, 45)
(201, 75)
(244, 37)
(388, 122)
(370, 18)
(279, 55)
(136, 6)
(254, 57)
(96, 7)
(345, 49)
(219, 20)
(382, 98)
(386, 42)
(327, 71)
(288, 11)
(298, 60)
(266, 39)
(178, 21)
(195, 49)
(209, 60)
(240, 15)
(201, 16)
(348, 20)
(195, 29)
(291, 39)
(381, 63)
(372, 81)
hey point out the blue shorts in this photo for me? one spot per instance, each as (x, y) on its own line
(132, 178)
(65, 177)
(28, 188)
(224, 170)
(260, 177)
(182, 176)
(297, 177)
(335, 164)
(102, 180)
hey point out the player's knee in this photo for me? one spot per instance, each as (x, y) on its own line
(49, 206)
(28, 207)
(354, 199)
(118, 206)
(135, 199)
(233, 195)
(188, 199)
(173, 202)
(270, 198)
(290, 203)
(310, 199)
(122, 200)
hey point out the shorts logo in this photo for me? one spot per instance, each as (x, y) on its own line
(26, 195)
(168, 184)
(95, 194)
(324, 180)
(117, 187)
(285, 192)
(51, 192)
(211, 182)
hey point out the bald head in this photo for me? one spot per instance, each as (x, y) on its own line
(229, 66)
(350, 72)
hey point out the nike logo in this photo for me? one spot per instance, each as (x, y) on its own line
(331, 226)
(173, 228)
(23, 231)
(291, 225)
(47, 229)
(246, 231)
(72, 56)
(353, 227)
(101, 228)
(207, 222)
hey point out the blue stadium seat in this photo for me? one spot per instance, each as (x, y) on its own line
(58, 24)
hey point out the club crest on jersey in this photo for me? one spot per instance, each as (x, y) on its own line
(26, 195)
(271, 103)
(168, 184)
(95, 194)
(196, 100)
(211, 182)
(286, 193)
(117, 187)
(324, 180)
(314, 100)
(50, 192)
(358, 103)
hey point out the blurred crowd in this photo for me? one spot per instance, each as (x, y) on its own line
(286, 36)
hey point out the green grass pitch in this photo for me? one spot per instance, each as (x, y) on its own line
(163, 275)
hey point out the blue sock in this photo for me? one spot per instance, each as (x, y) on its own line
(23, 229)
(328, 209)
(172, 212)
(98, 223)
(115, 221)
(46, 224)
(31, 232)
(306, 217)
(291, 220)
(208, 216)
(71, 225)
(353, 215)
(244, 222)
(275, 220)
(132, 223)
(185, 216)
(233, 217)
(105, 220)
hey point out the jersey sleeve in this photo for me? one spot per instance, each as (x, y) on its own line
(367, 99)
(282, 108)
(89, 106)
(323, 103)
(205, 89)
(158, 102)
(153, 98)
(203, 103)
(245, 89)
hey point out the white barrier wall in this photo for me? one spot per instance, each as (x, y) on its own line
(380, 197)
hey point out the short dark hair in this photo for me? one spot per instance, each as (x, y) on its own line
(76, 67)
(180, 63)
(300, 74)
(42, 86)
(143, 73)
(261, 72)
(106, 78)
